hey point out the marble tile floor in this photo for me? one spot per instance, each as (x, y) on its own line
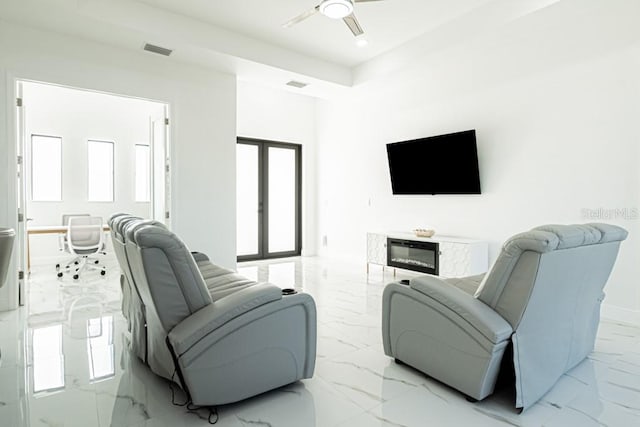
(65, 362)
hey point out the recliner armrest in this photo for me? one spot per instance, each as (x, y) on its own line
(476, 313)
(192, 329)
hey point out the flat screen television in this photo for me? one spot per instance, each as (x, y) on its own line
(443, 164)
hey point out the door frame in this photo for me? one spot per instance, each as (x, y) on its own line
(22, 242)
(160, 190)
(263, 199)
(17, 139)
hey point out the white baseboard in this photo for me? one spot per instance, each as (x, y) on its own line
(619, 314)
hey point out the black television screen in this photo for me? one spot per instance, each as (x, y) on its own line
(443, 164)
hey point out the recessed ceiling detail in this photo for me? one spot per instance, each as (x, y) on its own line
(246, 38)
(387, 24)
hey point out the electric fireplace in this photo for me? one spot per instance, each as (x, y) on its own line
(413, 255)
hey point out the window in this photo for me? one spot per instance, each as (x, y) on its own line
(46, 168)
(100, 171)
(143, 189)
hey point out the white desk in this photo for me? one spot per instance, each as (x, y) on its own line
(47, 229)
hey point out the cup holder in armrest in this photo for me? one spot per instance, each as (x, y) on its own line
(289, 291)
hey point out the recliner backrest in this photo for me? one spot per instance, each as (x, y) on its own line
(121, 226)
(114, 216)
(561, 259)
(548, 284)
(116, 223)
(166, 274)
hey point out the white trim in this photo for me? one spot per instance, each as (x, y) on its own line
(619, 314)
(9, 293)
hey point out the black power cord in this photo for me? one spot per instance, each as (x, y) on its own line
(213, 411)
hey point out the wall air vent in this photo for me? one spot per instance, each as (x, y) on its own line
(157, 49)
(297, 84)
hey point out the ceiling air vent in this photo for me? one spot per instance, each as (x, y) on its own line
(157, 49)
(297, 84)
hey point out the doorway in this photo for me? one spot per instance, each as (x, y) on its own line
(268, 199)
(85, 152)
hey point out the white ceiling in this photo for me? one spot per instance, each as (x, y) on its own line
(246, 37)
(387, 24)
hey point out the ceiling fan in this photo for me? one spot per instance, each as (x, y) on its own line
(335, 9)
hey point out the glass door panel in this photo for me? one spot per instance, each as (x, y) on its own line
(247, 200)
(282, 199)
(268, 199)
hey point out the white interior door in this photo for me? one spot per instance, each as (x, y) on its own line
(160, 175)
(22, 244)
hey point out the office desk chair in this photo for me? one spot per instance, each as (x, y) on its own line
(62, 238)
(85, 237)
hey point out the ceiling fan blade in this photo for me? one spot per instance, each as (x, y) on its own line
(301, 17)
(353, 24)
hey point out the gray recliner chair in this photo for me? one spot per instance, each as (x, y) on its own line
(542, 297)
(223, 343)
(220, 281)
(7, 237)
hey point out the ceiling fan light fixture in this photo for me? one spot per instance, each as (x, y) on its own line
(336, 9)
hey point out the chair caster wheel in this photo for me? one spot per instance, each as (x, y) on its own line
(60, 274)
(96, 262)
(102, 273)
(76, 263)
(75, 277)
(57, 267)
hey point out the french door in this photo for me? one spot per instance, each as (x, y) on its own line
(268, 199)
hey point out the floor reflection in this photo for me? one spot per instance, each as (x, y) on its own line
(285, 273)
(49, 344)
(250, 272)
(100, 348)
(47, 359)
(79, 370)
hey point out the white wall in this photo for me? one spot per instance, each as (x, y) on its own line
(78, 116)
(279, 115)
(556, 111)
(202, 132)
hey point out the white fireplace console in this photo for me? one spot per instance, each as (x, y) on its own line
(457, 256)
